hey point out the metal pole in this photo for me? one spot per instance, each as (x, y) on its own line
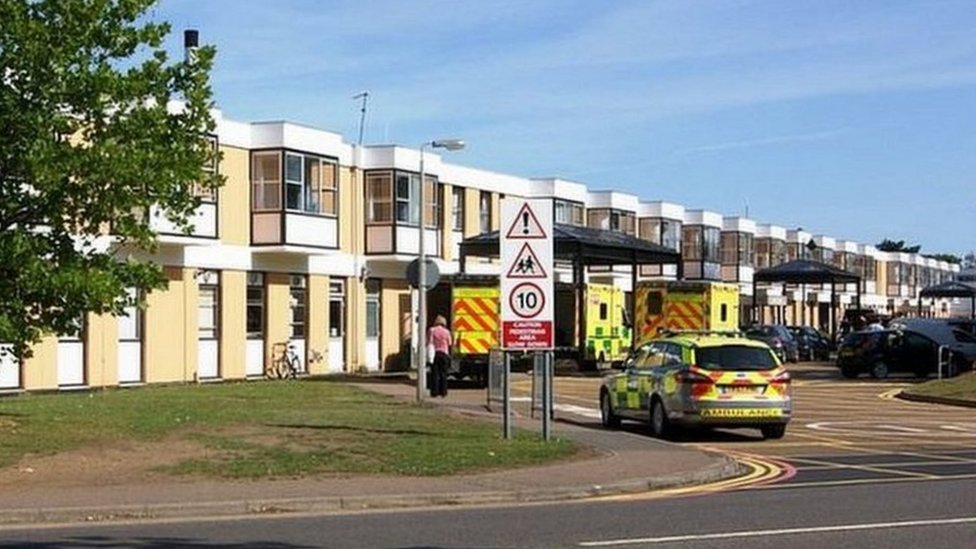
(833, 310)
(507, 398)
(422, 298)
(547, 395)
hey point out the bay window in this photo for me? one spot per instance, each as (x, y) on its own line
(310, 182)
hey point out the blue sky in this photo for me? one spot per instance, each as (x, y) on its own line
(856, 120)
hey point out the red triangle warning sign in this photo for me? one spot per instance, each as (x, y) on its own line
(526, 225)
(526, 265)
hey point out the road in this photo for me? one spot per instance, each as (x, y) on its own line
(856, 469)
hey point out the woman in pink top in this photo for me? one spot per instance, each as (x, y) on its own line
(439, 337)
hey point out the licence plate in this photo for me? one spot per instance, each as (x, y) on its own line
(742, 389)
(741, 412)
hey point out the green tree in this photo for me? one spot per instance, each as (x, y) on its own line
(887, 245)
(88, 143)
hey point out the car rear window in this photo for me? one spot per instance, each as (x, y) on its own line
(735, 357)
(860, 339)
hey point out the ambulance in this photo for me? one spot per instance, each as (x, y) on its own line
(674, 306)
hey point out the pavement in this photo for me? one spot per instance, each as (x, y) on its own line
(619, 462)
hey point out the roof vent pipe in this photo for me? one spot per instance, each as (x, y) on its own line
(191, 41)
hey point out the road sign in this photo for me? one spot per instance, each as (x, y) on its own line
(432, 274)
(527, 274)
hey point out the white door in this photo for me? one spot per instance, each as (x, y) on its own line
(254, 358)
(208, 335)
(372, 325)
(130, 345)
(71, 357)
(71, 361)
(337, 326)
(254, 350)
(9, 369)
(299, 320)
(298, 346)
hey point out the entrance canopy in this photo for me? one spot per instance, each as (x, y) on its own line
(584, 246)
(951, 288)
(804, 271)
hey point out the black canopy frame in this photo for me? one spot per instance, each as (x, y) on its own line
(804, 271)
(584, 247)
(951, 288)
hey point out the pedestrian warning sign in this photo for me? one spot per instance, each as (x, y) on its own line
(525, 225)
(526, 265)
(526, 306)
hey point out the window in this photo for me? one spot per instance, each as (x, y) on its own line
(777, 252)
(337, 294)
(310, 184)
(730, 244)
(712, 236)
(372, 308)
(130, 322)
(745, 243)
(296, 303)
(255, 306)
(432, 208)
(671, 234)
(603, 311)
(598, 219)
(484, 212)
(655, 303)
(570, 213)
(735, 358)
(691, 243)
(457, 208)
(208, 306)
(266, 181)
(379, 198)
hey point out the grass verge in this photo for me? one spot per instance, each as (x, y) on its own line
(961, 387)
(269, 430)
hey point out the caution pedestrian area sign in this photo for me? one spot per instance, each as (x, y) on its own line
(527, 274)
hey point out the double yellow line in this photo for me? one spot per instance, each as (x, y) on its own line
(761, 471)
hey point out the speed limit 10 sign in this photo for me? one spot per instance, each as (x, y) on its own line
(527, 274)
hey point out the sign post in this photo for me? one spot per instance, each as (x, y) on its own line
(527, 298)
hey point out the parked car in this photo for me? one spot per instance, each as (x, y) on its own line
(811, 343)
(897, 350)
(700, 380)
(778, 338)
(955, 333)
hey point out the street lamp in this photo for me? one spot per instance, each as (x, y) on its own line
(450, 145)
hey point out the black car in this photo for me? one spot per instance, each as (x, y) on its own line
(778, 338)
(811, 343)
(885, 351)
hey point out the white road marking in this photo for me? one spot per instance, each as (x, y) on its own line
(780, 532)
(577, 410)
(901, 428)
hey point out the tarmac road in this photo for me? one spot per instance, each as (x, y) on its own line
(930, 513)
(843, 432)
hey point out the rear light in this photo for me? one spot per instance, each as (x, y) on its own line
(694, 378)
(781, 378)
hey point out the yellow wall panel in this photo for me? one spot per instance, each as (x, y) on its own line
(317, 326)
(101, 350)
(170, 355)
(396, 323)
(472, 208)
(355, 325)
(277, 323)
(40, 371)
(234, 202)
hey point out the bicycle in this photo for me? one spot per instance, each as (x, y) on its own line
(285, 363)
